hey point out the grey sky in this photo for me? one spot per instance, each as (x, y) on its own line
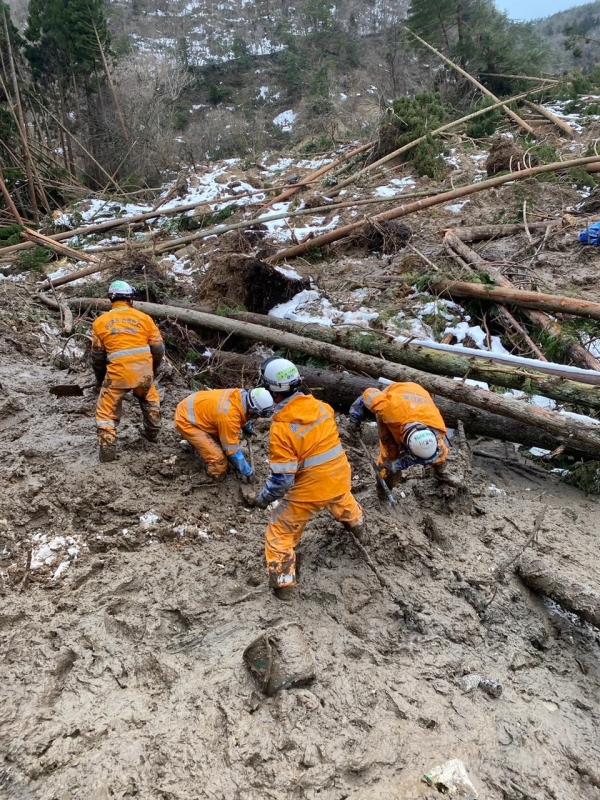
(533, 9)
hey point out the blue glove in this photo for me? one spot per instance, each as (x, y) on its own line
(242, 466)
(248, 429)
(357, 411)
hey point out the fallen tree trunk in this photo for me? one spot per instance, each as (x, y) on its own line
(134, 219)
(427, 202)
(416, 142)
(576, 351)
(477, 233)
(62, 249)
(100, 266)
(316, 175)
(563, 126)
(578, 434)
(580, 598)
(439, 363)
(518, 297)
(515, 117)
(340, 389)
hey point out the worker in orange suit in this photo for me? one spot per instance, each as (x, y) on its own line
(411, 429)
(127, 350)
(309, 472)
(213, 421)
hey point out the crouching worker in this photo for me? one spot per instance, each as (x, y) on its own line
(127, 350)
(309, 470)
(213, 421)
(411, 429)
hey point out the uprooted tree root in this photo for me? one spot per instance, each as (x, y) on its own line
(384, 237)
(236, 280)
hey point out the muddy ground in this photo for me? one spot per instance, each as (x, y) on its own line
(122, 672)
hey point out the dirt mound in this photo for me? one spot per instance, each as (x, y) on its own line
(506, 156)
(235, 280)
(382, 237)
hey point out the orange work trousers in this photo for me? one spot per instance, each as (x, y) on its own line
(287, 524)
(109, 406)
(205, 445)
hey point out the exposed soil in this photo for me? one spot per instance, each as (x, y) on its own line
(123, 676)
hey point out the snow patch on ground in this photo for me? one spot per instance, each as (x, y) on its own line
(54, 552)
(395, 187)
(311, 308)
(286, 120)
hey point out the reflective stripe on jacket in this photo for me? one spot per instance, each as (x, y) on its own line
(127, 337)
(402, 404)
(305, 443)
(219, 412)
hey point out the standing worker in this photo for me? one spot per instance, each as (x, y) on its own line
(411, 429)
(127, 350)
(213, 421)
(309, 469)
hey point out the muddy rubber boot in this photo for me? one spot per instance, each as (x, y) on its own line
(107, 452)
(284, 585)
(151, 418)
(359, 531)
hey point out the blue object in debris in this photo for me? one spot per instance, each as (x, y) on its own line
(591, 235)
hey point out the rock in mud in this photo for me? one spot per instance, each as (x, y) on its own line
(280, 658)
(451, 779)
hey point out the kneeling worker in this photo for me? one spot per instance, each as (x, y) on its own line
(411, 429)
(127, 350)
(213, 421)
(309, 470)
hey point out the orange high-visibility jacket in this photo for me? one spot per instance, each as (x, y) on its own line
(127, 337)
(221, 413)
(304, 441)
(402, 404)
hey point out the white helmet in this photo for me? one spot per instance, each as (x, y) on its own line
(280, 375)
(121, 289)
(260, 402)
(421, 442)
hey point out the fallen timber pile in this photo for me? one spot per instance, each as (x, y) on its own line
(438, 363)
(428, 202)
(576, 434)
(466, 256)
(340, 389)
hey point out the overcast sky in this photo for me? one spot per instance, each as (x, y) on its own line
(532, 9)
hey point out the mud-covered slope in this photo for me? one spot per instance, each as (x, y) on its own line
(123, 675)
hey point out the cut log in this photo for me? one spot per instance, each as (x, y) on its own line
(434, 200)
(478, 233)
(576, 351)
(340, 389)
(439, 363)
(563, 126)
(573, 433)
(580, 598)
(518, 297)
(515, 117)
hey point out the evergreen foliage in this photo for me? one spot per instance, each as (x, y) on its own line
(407, 120)
(479, 37)
(61, 39)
